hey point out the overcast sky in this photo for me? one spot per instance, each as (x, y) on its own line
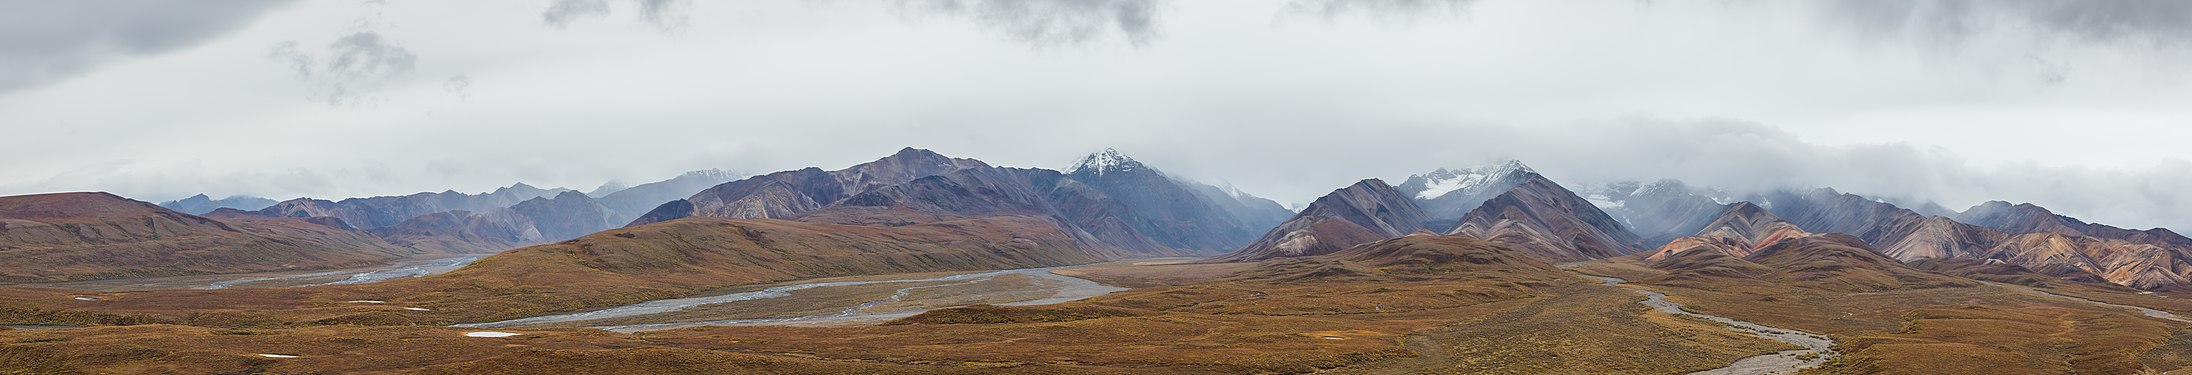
(2081, 106)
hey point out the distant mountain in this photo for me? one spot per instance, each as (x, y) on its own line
(90, 236)
(988, 191)
(629, 203)
(1658, 212)
(2026, 236)
(607, 188)
(1252, 211)
(1447, 194)
(783, 195)
(567, 215)
(2026, 217)
(464, 232)
(1547, 220)
(201, 204)
(1172, 212)
(1367, 211)
(377, 212)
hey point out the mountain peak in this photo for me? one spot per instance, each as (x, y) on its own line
(1106, 161)
(910, 151)
(1745, 208)
(1448, 180)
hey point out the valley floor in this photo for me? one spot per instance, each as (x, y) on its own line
(1287, 316)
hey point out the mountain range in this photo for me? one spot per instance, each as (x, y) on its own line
(1105, 198)
(1109, 200)
(1467, 269)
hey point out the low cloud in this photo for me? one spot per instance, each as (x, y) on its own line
(1748, 157)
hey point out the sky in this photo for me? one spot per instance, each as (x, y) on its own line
(2080, 106)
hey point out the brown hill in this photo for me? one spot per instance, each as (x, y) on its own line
(1426, 253)
(695, 255)
(1740, 230)
(1545, 219)
(1834, 262)
(1367, 211)
(1996, 270)
(90, 236)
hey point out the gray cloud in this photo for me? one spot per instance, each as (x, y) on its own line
(1052, 23)
(668, 15)
(354, 65)
(2156, 23)
(1284, 112)
(461, 85)
(561, 13)
(665, 14)
(43, 42)
(1388, 10)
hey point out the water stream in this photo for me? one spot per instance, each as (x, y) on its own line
(429, 267)
(1817, 349)
(1069, 289)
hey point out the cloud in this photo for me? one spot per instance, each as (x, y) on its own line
(42, 42)
(1386, 10)
(1749, 157)
(355, 65)
(461, 85)
(2153, 23)
(665, 14)
(561, 13)
(1051, 23)
(668, 15)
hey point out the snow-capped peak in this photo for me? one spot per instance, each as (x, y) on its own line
(1440, 182)
(1108, 160)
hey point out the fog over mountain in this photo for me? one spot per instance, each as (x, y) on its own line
(2072, 105)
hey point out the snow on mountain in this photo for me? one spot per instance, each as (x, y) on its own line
(1109, 160)
(1445, 181)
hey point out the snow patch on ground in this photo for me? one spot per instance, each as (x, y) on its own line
(490, 334)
